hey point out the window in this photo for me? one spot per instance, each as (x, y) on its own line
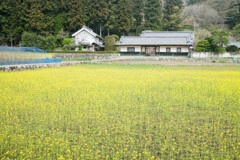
(131, 49)
(179, 50)
(168, 50)
(84, 47)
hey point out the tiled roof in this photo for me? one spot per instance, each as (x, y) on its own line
(158, 38)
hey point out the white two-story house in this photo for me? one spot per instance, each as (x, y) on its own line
(89, 40)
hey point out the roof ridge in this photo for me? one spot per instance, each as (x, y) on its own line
(154, 37)
(168, 31)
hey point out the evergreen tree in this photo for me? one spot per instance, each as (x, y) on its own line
(35, 18)
(75, 17)
(110, 23)
(98, 14)
(234, 16)
(12, 19)
(138, 12)
(124, 16)
(220, 37)
(172, 14)
(58, 26)
(153, 14)
(203, 46)
(191, 2)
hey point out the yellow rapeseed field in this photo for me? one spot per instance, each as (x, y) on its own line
(121, 112)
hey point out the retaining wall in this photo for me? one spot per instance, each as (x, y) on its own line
(12, 68)
(85, 56)
(215, 55)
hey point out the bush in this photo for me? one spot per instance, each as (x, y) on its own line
(31, 40)
(67, 41)
(220, 49)
(85, 52)
(79, 48)
(116, 37)
(203, 46)
(109, 43)
(49, 43)
(34, 40)
(68, 47)
(232, 49)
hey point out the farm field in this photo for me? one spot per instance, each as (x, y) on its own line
(121, 112)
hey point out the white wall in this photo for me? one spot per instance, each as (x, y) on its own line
(84, 37)
(158, 48)
(174, 48)
(214, 55)
(124, 48)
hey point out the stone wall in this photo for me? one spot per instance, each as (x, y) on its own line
(22, 67)
(215, 55)
(85, 56)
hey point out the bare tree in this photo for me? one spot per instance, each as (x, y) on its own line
(202, 14)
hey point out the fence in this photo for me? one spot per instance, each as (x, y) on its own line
(24, 55)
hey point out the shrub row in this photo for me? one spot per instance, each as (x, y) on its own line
(86, 52)
(34, 40)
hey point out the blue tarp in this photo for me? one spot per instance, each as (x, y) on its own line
(25, 59)
(47, 60)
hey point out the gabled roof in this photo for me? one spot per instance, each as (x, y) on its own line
(158, 38)
(175, 34)
(167, 33)
(89, 30)
(234, 43)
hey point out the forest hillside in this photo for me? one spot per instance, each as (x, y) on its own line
(61, 18)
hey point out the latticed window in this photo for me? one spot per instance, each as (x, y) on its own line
(168, 50)
(179, 50)
(131, 49)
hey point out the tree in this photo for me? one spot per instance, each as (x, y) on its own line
(12, 19)
(39, 17)
(34, 40)
(116, 37)
(58, 26)
(220, 37)
(217, 41)
(124, 16)
(203, 46)
(138, 10)
(191, 2)
(109, 43)
(172, 14)
(98, 13)
(237, 28)
(153, 14)
(212, 45)
(110, 16)
(201, 15)
(31, 40)
(232, 49)
(75, 17)
(60, 36)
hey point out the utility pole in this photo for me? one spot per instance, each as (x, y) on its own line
(11, 38)
(194, 25)
(100, 31)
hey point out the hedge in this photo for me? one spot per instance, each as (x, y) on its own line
(86, 52)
